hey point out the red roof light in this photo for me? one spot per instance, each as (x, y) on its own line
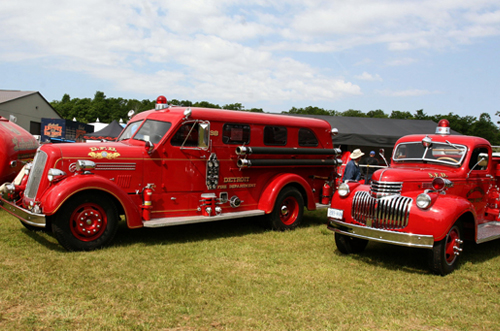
(443, 127)
(161, 102)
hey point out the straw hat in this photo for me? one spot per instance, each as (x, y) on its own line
(356, 154)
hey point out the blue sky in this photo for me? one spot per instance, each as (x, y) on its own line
(441, 55)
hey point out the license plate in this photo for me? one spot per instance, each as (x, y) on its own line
(335, 213)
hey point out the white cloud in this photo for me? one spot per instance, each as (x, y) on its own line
(237, 50)
(369, 77)
(400, 62)
(406, 93)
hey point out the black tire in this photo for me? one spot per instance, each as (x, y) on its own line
(445, 255)
(86, 222)
(288, 210)
(348, 245)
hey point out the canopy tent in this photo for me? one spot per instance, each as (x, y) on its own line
(380, 132)
(110, 132)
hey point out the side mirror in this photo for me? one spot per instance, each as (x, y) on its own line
(381, 152)
(204, 135)
(149, 147)
(482, 160)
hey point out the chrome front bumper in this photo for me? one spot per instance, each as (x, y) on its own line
(383, 236)
(24, 215)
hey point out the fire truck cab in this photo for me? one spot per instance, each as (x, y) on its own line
(177, 165)
(439, 190)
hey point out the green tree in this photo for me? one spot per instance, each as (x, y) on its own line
(379, 113)
(402, 115)
(353, 113)
(486, 129)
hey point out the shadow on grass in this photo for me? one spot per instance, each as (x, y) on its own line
(186, 233)
(205, 231)
(415, 260)
(44, 238)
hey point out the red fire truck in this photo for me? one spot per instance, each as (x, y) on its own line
(178, 165)
(440, 190)
(18, 148)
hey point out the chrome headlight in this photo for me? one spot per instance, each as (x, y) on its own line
(55, 173)
(423, 201)
(343, 189)
(85, 165)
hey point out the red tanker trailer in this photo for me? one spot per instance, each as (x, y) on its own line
(17, 147)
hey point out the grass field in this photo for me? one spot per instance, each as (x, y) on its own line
(233, 275)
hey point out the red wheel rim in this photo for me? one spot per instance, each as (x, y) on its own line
(289, 210)
(88, 222)
(451, 243)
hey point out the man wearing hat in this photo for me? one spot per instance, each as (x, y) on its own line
(352, 171)
(370, 162)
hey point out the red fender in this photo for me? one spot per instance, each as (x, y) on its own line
(273, 188)
(440, 217)
(57, 194)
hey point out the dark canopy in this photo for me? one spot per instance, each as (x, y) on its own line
(381, 132)
(110, 132)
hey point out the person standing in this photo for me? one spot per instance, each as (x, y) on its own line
(352, 171)
(370, 162)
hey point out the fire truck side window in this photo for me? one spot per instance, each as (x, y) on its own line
(307, 138)
(275, 135)
(181, 135)
(236, 133)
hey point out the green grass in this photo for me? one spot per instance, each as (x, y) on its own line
(233, 275)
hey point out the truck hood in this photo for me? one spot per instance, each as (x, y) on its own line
(99, 152)
(405, 174)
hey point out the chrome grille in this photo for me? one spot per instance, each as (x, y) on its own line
(391, 212)
(382, 189)
(35, 175)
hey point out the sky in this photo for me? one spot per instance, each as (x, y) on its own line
(441, 56)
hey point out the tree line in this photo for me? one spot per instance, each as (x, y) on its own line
(87, 110)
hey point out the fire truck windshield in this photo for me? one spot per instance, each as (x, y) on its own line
(150, 130)
(444, 153)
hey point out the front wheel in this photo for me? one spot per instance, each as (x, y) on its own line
(348, 245)
(288, 210)
(445, 254)
(86, 222)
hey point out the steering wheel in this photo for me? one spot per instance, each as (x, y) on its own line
(446, 158)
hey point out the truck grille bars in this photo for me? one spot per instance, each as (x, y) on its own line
(35, 174)
(389, 213)
(383, 189)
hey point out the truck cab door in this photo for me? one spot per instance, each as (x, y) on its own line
(184, 171)
(478, 180)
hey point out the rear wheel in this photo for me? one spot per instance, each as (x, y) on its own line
(348, 245)
(86, 222)
(288, 210)
(445, 255)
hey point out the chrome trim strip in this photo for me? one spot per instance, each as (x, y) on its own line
(170, 221)
(24, 215)
(383, 236)
(115, 166)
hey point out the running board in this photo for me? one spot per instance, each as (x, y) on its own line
(488, 231)
(171, 221)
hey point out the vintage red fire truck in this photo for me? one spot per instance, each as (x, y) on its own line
(18, 147)
(178, 165)
(439, 190)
